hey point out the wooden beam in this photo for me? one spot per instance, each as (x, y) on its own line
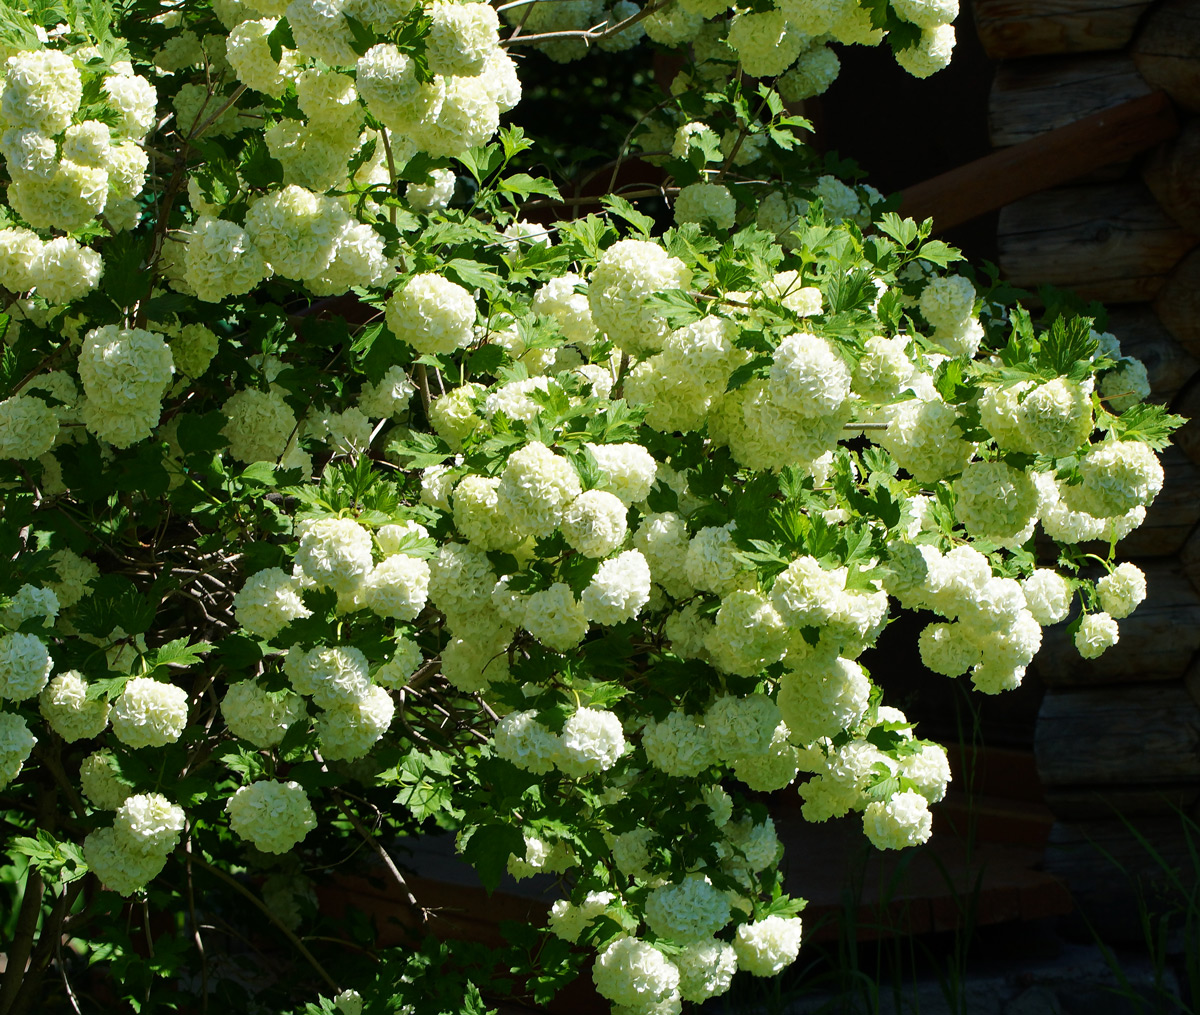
(1053, 158)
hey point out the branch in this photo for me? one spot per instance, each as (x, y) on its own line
(589, 35)
(266, 911)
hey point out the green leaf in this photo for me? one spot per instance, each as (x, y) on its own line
(1068, 342)
(124, 280)
(939, 253)
(620, 207)
(280, 38)
(675, 306)
(259, 474)
(1151, 424)
(180, 652)
(363, 37)
(524, 185)
(58, 861)
(472, 274)
(421, 450)
(488, 850)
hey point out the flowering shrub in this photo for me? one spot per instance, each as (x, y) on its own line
(559, 539)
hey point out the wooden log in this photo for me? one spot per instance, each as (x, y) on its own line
(1110, 242)
(1030, 97)
(1177, 303)
(1173, 515)
(1110, 868)
(1056, 157)
(1157, 642)
(1017, 28)
(1129, 736)
(1168, 364)
(1072, 803)
(1173, 175)
(1167, 51)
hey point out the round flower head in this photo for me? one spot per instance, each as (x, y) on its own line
(99, 782)
(387, 82)
(591, 741)
(64, 271)
(1056, 417)
(618, 590)
(996, 502)
(432, 314)
(221, 260)
(568, 920)
(335, 553)
(1117, 477)
(296, 230)
(124, 373)
(522, 740)
(42, 90)
(904, 820)
(707, 203)
(767, 946)
(268, 602)
(628, 273)
(28, 427)
(68, 200)
(679, 745)
(555, 617)
(274, 816)
(332, 676)
(594, 523)
(764, 44)
(260, 425)
(741, 727)
(468, 116)
(815, 69)
(477, 514)
(248, 50)
(808, 377)
(748, 634)
(929, 769)
(535, 486)
(930, 54)
(1047, 596)
(64, 705)
(434, 195)
(690, 910)
(16, 743)
(1096, 635)
(135, 99)
(25, 666)
(149, 713)
(348, 732)
(822, 696)
(634, 973)
(947, 301)
(260, 716)
(461, 37)
(397, 587)
(150, 821)
(706, 969)
(766, 773)
(1122, 591)
(118, 863)
(628, 468)
(927, 13)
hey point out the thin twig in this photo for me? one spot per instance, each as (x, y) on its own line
(374, 843)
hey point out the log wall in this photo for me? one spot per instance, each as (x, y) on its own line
(1117, 741)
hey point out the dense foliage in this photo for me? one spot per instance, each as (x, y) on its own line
(357, 485)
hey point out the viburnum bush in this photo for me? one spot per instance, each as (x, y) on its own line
(357, 488)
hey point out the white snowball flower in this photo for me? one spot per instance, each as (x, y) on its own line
(767, 946)
(591, 741)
